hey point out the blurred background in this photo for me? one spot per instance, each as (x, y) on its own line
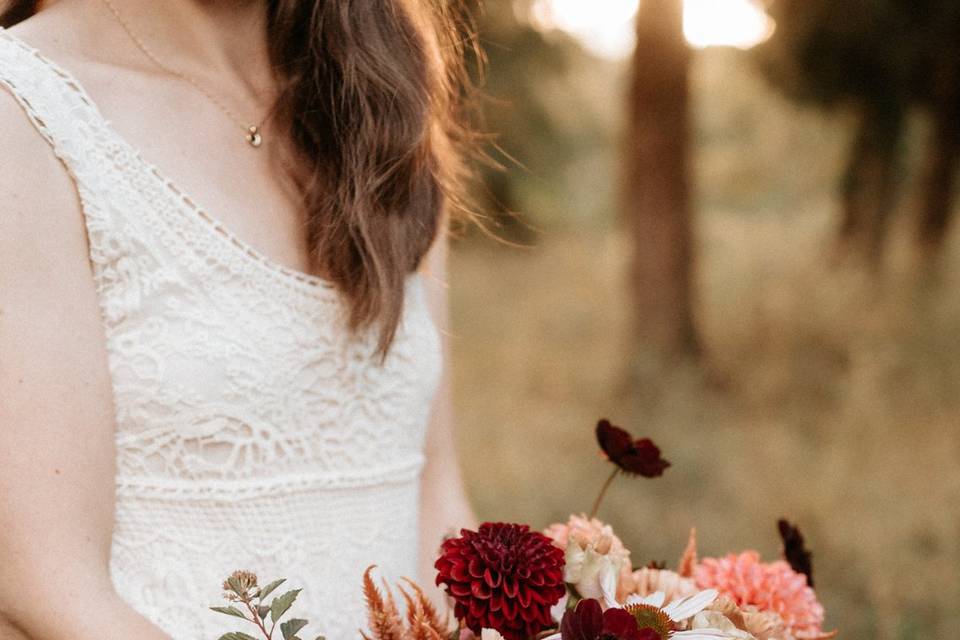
(727, 226)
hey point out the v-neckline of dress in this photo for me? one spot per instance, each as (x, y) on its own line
(307, 282)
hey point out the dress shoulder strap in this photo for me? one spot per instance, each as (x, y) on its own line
(81, 138)
(58, 107)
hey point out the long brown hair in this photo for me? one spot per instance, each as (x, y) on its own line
(373, 94)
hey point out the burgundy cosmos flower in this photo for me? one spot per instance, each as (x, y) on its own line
(589, 622)
(632, 456)
(795, 550)
(502, 577)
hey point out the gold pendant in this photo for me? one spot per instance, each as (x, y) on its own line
(253, 136)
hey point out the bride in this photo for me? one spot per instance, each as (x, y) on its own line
(222, 246)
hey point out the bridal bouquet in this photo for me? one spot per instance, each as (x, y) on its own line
(575, 581)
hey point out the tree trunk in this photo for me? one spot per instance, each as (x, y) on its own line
(938, 179)
(656, 202)
(869, 193)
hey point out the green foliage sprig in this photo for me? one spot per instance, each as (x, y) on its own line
(241, 587)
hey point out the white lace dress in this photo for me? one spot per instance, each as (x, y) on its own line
(251, 431)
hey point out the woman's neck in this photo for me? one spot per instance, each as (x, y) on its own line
(200, 38)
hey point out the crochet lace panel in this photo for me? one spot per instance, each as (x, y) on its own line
(252, 429)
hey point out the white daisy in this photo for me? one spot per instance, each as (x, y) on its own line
(650, 612)
(679, 610)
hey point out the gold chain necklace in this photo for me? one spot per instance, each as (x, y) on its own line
(252, 131)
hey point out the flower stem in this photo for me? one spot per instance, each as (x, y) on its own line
(256, 620)
(603, 492)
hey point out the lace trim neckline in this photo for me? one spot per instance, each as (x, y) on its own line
(307, 282)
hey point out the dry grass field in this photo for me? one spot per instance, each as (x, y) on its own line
(825, 398)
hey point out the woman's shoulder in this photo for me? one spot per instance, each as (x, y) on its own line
(38, 196)
(55, 32)
(40, 212)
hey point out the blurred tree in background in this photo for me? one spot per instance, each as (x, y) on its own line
(656, 192)
(937, 77)
(542, 130)
(879, 58)
(548, 134)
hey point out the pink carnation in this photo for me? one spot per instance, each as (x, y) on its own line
(586, 531)
(593, 532)
(773, 587)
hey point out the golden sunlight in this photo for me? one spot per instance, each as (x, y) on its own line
(606, 26)
(733, 23)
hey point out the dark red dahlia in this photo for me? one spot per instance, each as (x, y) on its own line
(589, 622)
(502, 577)
(633, 456)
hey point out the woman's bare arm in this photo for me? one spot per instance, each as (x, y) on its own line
(444, 505)
(56, 413)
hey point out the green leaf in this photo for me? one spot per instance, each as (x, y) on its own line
(236, 635)
(280, 604)
(263, 610)
(291, 626)
(267, 590)
(230, 611)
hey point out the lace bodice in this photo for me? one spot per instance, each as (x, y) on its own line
(252, 431)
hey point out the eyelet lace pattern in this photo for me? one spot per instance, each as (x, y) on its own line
(252, 430)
